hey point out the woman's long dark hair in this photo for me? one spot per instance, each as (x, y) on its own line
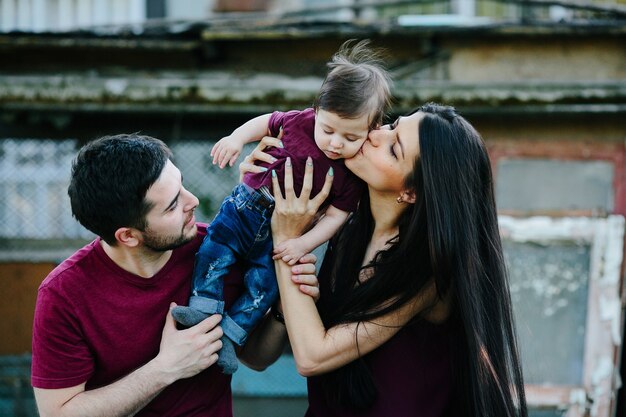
(449, 234)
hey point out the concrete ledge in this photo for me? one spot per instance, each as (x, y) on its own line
(222, 92)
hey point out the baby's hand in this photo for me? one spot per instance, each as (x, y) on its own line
(290, 251)
(226, 151)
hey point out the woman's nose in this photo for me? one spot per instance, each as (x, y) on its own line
(377, 136)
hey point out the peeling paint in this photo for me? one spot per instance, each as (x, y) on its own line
(611, 310)
(578, 397)
(603, 371)
(549, 284)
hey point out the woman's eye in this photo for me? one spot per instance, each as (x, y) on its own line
(393, 153)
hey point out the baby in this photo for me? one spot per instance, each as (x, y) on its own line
(351, 101)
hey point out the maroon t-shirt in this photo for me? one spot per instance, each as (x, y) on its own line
(299, 143)
(412, 372)
(96, 322)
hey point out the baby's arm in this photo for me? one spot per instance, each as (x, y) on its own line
(227, 149)
(292, 250)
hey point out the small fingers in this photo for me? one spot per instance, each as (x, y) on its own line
(233, 159)
(290, 259)
(278, 254)
(224, 157)
(215, 150)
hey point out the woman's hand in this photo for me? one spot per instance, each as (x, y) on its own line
(259, 154)
(293, 214)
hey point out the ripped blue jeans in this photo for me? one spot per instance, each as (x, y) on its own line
(241, 231)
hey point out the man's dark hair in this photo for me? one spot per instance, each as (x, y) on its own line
(356, 84)
(110, 178)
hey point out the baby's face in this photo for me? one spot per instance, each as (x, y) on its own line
(338, 137)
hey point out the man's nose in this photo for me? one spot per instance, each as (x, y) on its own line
(191, 201)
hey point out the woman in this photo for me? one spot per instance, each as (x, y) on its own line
(414, 314)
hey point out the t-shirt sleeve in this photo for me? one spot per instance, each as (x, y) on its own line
(276, 121)
(61, 357)
(348, 197)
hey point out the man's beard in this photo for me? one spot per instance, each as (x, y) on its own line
(165, 243)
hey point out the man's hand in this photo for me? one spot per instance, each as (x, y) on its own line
(185, 353)
(258, 154)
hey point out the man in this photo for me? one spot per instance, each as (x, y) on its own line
(104, 342)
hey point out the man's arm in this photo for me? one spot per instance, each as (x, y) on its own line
(265, 343)
(182, 354)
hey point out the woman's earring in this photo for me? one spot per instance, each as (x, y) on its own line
(399, 200)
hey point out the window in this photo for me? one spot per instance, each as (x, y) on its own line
(565, 286)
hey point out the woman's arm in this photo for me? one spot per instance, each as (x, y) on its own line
(316, 349)
(267, 341)
(292, 250)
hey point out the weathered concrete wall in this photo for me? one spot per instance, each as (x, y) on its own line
(546, 58)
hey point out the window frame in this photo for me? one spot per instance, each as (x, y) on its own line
(602, 340)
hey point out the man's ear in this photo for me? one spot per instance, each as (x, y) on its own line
(128, 236)
(408, 196)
